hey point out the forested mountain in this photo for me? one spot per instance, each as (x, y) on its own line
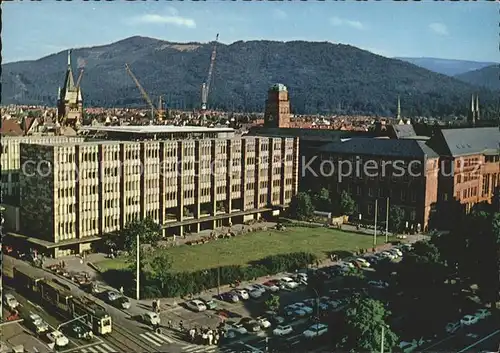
(321, 77)
(488, 77)
(448, 67)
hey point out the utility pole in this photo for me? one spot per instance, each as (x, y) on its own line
(387, 222)
(138, 269)
(382, 340)
(375, 228)
(218, 281)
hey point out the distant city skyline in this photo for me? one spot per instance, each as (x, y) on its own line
(446, 30)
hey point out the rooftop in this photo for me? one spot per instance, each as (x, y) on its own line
(278, 87)
(155, 129)
(461, 142)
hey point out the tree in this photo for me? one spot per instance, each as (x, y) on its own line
(301, 207)
(322, 201)
(273, 303)
(396, 219)
(364, 320)
(149, 233)
(160, 265)
(347, 204)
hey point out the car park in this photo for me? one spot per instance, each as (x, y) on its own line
(57, 338)
(10, 301)
(196, 305)
(315, 330)
(453, 327)
(263, 322)
(468, 320)
(151, 318)
(37, 323)
(271, 286)
(241, 293)
(289, 283)
(250, 324)
(282, 330)
(482, 313)
(229, 297)
(209, 303)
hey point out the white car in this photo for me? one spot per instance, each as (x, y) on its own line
(315, 330)
(346, 264)
(362, 262)
(151, 318)
(10, 301)
(289, 283)
(270, 286)
(468, 320)
(388, 255)
(196, 305)
(58, 338)
(282, 330)
(263, 322)
(241, 293)
(37, 323)
(397, 251)
(111, 296)
(482, 314)
(453, 327)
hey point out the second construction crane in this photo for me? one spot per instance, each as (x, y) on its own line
(144, 94)
(205, 88)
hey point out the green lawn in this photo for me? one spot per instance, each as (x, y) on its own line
(254, 246)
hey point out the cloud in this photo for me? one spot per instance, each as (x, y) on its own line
(279, 14)
(439, 28)
(336, 21)
(172, 19)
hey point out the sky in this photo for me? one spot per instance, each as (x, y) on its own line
(449, 30)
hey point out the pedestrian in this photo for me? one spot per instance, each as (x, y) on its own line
(153, 306)
(169, 324)
(158, 305)
(121, 290)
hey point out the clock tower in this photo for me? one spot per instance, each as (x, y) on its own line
(277, 112)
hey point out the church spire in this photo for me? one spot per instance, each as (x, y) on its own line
(69, 83)
(477, 106)
(472, 104)
(69, 58)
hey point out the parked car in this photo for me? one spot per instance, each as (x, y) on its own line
(239, 328)
(362, 262)
(263, 322)
(482, 314)
(81, 331)
(254, 293)
(453, 327)
(229, 297)
(37, 323)
(378, 284)
(258, 287)
(289, 283)
(389, 255)
(151, 318)
(274, 317)
(196, 305)
(304, 307)
(397, 251)
(315, 330)
(271, 286)
(57, 338)
(209, 303)
(250, 324)
(241, 293)
(408, 347)
(468, 320)
(282, 330)
(294, 311)
(10, 301)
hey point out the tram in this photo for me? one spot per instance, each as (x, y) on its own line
(60, 298)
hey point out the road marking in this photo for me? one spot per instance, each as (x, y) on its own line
(90, 349)
(110, 349)
(194, 348)
(152, 338)
(165, 338)
(481, 340)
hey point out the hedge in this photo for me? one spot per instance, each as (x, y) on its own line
(185, 283)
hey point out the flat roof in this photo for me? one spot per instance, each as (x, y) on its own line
(155, 129)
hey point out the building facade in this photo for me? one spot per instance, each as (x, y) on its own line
(84, 190)
(401, 173)
(10, 162)
(277, 113)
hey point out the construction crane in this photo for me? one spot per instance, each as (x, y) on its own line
(143, 92)
(79, 80)
(205, 88)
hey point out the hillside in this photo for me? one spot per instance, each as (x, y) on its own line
(488, 77)
(321, 77)
(448, 67)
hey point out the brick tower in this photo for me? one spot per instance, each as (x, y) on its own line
(277, 112)
(69, 100)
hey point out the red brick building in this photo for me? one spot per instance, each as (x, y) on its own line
(277, 112)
